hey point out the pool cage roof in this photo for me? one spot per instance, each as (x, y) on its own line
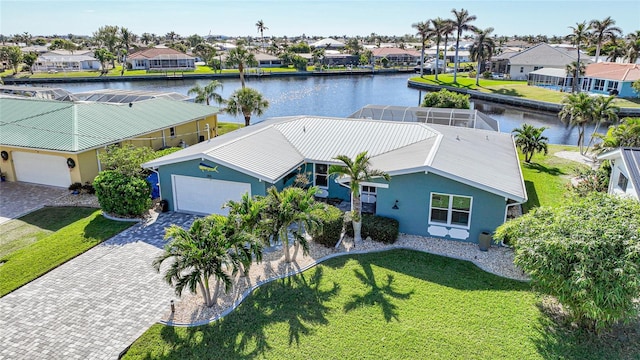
(452, 117)
(126, 96)
(37, 92)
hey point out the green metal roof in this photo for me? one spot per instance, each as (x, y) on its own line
(79, 126)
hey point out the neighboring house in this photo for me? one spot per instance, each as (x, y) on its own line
(397, 55)
(328, 43)
(63, 60)
(56, 142)
(625, 172)
(267, 61)
(446, 181)
(551, 78)
(611, 79)
(161, 59)
(518, 65)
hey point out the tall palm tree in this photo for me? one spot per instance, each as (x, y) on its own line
(603, 30)
(207, 93)
(261, 29)
(241, 57)
(633, 47)
(482, 50)
(439, 30)
(529, 140)
(423, 30)
(246, 101)
(292, 205)
(355, 172)
(616, 49)
(579, 34)
(604, 110)
(461, 22)
(578, 110)
(200, 253)
(146, 38)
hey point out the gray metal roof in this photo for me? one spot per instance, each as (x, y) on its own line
(271, 149)
(79, 126)
(37, 92)
(126, 96)
(561, 73)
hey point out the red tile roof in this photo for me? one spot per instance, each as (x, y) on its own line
(613, 71)
(159, 52)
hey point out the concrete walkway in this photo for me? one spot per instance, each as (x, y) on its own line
(93, 306)
(17, 198)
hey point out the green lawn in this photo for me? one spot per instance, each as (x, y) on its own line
(547, 177)
(508, 87)
(225, 127)
(40, 241)
(398, 304)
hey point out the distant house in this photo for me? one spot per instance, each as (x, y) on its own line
(625, 172)
(518, 65)
(161, 59)
(63, 60)
(267, 61)
(446, 181)
(56, 143)
(611, 78)
(327, 43)
(396, 55)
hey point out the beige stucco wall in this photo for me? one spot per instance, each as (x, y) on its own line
(9, 171)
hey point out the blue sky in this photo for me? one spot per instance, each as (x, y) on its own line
(289, 17)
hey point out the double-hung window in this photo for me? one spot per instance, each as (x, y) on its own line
(623, 182)
(450, 210)
(598, 85)
(321, 176)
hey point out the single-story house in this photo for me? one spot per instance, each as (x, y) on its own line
(446, 181)
(63, 60)
(397, 55)
(625, 172)
(161, 59)
(57, 142)
(519, 65)
(267, 60)
(327, 43)
(611, 78)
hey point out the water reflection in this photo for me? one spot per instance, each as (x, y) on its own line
(340, 96)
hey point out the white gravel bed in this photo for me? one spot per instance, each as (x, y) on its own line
(190, 310)
(80, 200)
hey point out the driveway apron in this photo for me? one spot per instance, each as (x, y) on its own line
(93, 306)
(18, 198)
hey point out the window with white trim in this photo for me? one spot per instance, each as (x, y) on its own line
(612, 85)
(598, 85)
(450, 210)
(623, 182)
(321, 177)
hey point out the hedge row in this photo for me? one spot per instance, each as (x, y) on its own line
(379, 228)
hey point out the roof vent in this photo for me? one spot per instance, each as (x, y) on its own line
(458, 137)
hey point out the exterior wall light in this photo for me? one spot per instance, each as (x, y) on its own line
(395, 206)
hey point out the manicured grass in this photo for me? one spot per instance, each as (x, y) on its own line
(547, 177)
(71, 236)
(225, 127)
(507, 87)
(398, 304)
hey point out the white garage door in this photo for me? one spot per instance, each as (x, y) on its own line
(41, 169)
(205, 196)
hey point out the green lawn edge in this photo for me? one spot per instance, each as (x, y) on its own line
(395, 304)
(35, 260)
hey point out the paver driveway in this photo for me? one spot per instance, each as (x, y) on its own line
(93, 306)
(17, 198)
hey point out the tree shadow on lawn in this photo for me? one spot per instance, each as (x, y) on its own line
(297, 301)
(55, 218)
(554, 171)
(508, 92)
(559, 339)
(532, 195)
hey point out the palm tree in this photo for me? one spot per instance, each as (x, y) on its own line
(199, 253)
(616, 49)
(246, 101)
(440, 29)
(529, 140)
(293, 205)
(146, 38)
(633, 47)
(355, 172)
(627, 134)
(423, 30)
(482, 49)
(603, 30)
(461, 22)
(241, 57)
(578, 110)
(604, 110)
(207, 93)
(573, 68)
(261, 29)
(579, 34)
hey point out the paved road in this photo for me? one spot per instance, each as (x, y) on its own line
(93, 306)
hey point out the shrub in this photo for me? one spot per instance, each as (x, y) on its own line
(379, 228)
(586, 253)
(76, 186)
(487, 74)
(121, 194)
(328, 234)
(87, 188)
(446, 99)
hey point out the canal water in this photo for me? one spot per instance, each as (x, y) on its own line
(340, 96)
